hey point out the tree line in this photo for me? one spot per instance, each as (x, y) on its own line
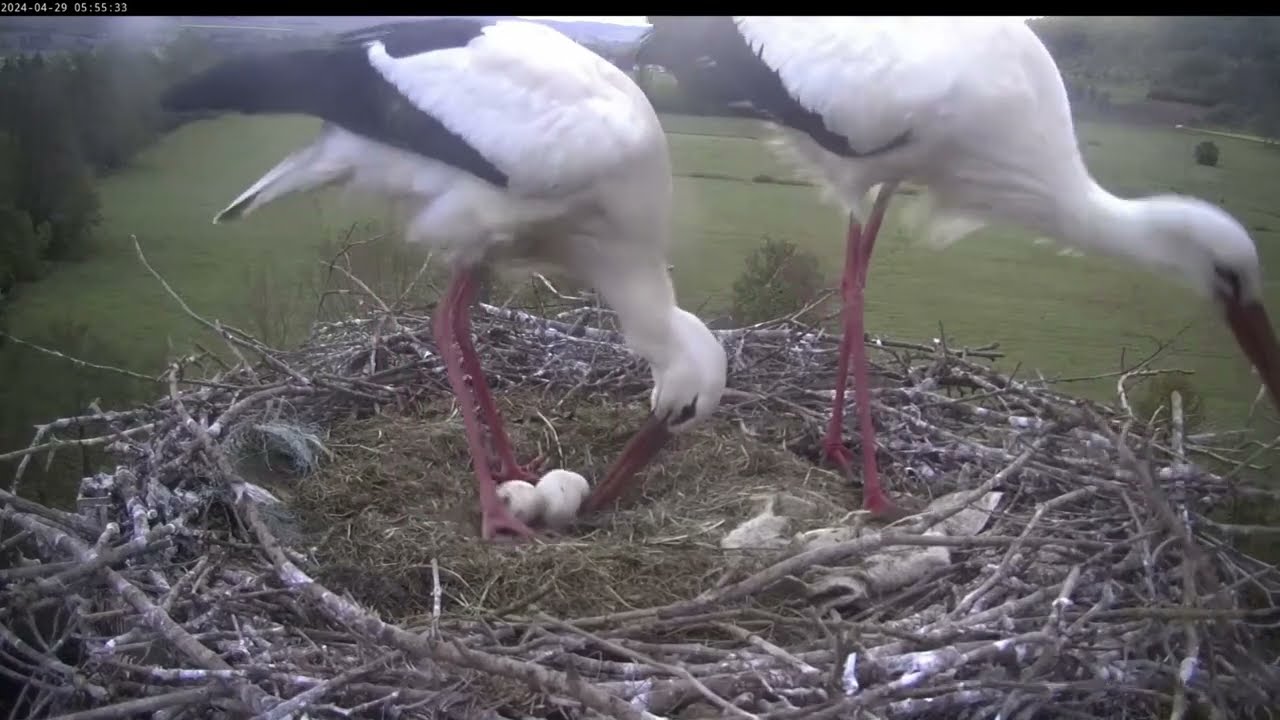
(1228, 65)
(67, 118)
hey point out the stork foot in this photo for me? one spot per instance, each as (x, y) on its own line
(500, 524)
(529, 472)
(839, 455)
(875, 501)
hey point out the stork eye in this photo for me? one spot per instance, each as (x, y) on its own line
(1228, 283)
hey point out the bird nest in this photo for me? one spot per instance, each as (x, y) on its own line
(298, 536)
(399, 494)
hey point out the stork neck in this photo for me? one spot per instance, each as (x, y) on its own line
(1109, 225)
(645, 302)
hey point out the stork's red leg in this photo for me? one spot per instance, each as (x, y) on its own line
(860, 243)
(833, 443)
(508, 468)
(495, 517)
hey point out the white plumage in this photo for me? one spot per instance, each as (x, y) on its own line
(991, 128)
(974, 110)
(549, 113)
(511, 143)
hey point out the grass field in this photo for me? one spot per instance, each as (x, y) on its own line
(1060, 316)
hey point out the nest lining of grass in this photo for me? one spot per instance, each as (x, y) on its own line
(298, 535)
(400, 493)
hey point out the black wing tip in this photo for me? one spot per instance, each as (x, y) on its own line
(221, 87)
(307, 80)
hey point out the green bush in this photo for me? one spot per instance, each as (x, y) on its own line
(1207, 153)
(778, 279)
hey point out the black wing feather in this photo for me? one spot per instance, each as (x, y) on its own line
(338, 84)
(715, 64)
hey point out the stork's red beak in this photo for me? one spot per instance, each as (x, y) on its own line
(648, 440)
(1253, 331)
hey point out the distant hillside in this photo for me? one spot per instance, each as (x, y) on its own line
(39, 34)
(1227, 67)
(1223, 71)
(589, 31)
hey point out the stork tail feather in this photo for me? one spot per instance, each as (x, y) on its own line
(310, 168)
(930, 223)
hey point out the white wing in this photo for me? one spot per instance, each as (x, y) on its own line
(870, 77)
(980, 95)
(545, 110)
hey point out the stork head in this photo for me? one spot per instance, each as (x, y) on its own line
(1216, 255)
(687, 388)
(688, 381)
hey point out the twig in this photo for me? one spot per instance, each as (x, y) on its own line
(129, 708)
(78, 362)
(676, 670)
(306, 697)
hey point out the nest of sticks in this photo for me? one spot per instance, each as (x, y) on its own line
(296, 536)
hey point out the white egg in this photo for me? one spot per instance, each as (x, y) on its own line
(523, 500)
(562, 492)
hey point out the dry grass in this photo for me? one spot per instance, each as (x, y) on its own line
(399, 492)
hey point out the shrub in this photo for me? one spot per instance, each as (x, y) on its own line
(778, 279)
(1207, 153)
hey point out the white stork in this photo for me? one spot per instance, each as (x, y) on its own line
(513, 143)
(974, 110)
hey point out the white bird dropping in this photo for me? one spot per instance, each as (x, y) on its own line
(562, 493)
(523, 500)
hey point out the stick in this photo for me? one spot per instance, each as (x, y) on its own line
(133, 708)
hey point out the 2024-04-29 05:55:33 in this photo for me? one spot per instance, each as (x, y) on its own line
(57, 8)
